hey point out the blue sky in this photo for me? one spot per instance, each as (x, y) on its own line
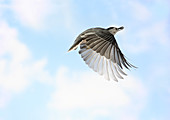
(39, 80)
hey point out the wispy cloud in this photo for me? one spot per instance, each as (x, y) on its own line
(32, 13)
(17, 69)
(148, 37)
(4, 98)
(66, 10)
(139, 11)
(90, 93)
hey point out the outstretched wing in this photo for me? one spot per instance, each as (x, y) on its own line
(100, 52)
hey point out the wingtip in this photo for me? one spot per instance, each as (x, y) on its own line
(135, 67)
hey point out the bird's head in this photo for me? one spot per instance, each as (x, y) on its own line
(114, 30)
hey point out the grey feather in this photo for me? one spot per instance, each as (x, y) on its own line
(100, 51)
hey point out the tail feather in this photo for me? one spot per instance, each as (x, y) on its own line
(74, 46)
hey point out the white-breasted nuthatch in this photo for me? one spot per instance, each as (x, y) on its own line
(100, 51)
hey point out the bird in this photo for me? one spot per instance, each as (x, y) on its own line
(100, 51)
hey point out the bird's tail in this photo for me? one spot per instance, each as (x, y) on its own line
(74, 46)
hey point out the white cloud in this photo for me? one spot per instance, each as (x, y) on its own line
(17, 69)
(67, 10)
(10, 43)
(90, 92)
(12, 54)
(38, 14)
(64, 14)
(144, 38)
(139, 11)
(32, 13)
(4, 98)
(157, 32)
(81, 94)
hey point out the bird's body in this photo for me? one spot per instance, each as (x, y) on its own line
(100, 51)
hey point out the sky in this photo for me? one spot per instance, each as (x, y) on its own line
(39, 80)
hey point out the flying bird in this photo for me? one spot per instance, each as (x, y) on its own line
(100, 51)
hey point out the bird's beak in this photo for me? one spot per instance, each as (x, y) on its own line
(120, 28)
